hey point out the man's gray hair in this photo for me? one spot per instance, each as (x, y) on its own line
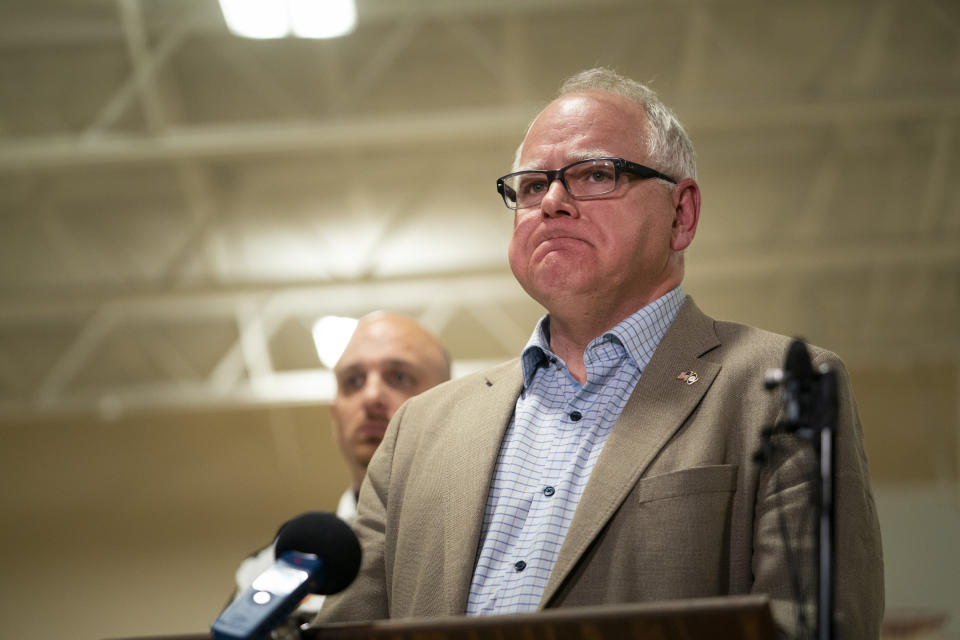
(665, 139)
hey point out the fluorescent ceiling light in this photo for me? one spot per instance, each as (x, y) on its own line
(331, 335)
(322, 18)
(280, 18)
(256, 18)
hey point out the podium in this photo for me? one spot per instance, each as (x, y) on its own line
(726, 618)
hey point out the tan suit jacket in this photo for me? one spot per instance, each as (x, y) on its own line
(676, 507)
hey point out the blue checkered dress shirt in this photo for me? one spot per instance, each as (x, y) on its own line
(549, 450)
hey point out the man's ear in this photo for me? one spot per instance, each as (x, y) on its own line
(686, 213)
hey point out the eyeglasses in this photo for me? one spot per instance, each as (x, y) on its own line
(583, 179)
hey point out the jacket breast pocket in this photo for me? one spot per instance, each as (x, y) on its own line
(683, 525)
(721, 478)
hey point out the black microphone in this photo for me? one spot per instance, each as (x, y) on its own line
(316, 552)
(798, 364)
(798, 379)
(328, 537)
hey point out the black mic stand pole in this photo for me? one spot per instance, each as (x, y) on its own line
(827, 410)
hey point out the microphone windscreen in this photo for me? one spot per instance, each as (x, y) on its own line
(328, 537)
(798, 364)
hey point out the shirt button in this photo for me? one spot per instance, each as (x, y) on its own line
(520, 566)
(575, 415)
(549, 491)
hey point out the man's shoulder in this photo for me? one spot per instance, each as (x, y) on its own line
(480, 398)
(737, 335)
(497, 384)
(505, 373)
(756, 345)
(728, 341)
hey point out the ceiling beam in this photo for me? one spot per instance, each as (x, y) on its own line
(705, 265)
(482, 123)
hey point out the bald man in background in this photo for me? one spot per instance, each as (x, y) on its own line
(388, 359)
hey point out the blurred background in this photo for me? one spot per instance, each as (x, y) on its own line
(179, 206)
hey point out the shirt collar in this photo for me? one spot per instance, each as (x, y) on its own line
(639, 333)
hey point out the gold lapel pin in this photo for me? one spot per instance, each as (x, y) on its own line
(688, 376)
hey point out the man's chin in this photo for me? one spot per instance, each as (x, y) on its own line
(364, 453)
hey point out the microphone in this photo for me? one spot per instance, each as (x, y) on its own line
(798, 379)
(316, 552)
(328, 537)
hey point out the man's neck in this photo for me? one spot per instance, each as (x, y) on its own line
(572, 331)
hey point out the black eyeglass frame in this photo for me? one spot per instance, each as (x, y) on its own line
(620, 166)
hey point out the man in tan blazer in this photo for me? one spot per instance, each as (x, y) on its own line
(661, 498)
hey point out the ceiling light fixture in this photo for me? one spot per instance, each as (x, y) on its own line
(280, 18)
(331, 335)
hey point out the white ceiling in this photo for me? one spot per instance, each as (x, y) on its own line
(177, 205)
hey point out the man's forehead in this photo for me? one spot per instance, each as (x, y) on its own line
(386, 339)
(575, 155)
(380, 350)
(383, 340)
(580, 126)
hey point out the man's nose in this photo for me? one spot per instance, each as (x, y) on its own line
(373, 389)
(557, 201)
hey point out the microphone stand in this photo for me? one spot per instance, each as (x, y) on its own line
(826, 506)
(810, 412)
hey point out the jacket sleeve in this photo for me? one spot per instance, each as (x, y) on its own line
(367, 597)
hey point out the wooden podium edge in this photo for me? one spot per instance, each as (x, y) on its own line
(743, 617)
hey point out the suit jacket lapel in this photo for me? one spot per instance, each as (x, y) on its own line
(467, 471)
(658, 406)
